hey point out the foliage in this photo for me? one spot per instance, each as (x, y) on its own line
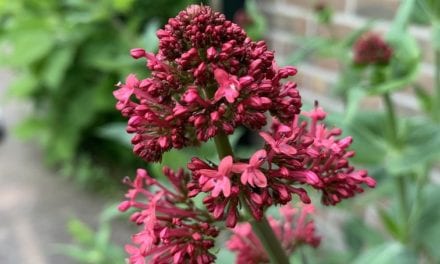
(400, 151)
(93, 247)
(68, 55)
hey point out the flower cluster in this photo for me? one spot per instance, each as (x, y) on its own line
(293, 230)
(370, 48)
(301, 153)
(207, 78)
(173, 229)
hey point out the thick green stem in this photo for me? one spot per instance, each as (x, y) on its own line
(223, 146)
(400, 180)
(261, 228)
(270, 242)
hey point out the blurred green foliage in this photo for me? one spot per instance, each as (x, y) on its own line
(90, 246)
(398, 150)
(68, 55)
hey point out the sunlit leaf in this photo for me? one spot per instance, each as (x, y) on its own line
(81, 232)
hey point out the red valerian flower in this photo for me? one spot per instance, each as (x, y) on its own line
(279, 146)
(125, 91)
(296, 154)
(339, 179)
(229, 86)
(294, 229)
(251, 173)
(174, 230)
(217, 181)
(207, 78)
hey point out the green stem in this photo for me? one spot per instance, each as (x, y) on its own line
(270, 242)
(391, 122)
(223, 146)
(404, 206)
(261, 228)
(400, 180)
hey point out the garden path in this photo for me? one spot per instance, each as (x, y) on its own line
(35, 204)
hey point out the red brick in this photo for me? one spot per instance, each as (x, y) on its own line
(379, 9)
(292, 25)
(336, 5)
(334, 30)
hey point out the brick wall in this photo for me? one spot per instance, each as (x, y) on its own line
(288, 19)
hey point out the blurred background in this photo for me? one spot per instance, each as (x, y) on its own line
(64, 150)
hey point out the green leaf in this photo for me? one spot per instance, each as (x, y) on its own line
(402, 18)
(102, 237)
(122, 5)
(426, 100)
(81, 232)
(387, 253)
(421, 146)
(390, 224)
(358, 235)
(149, 39)
(23, 86)
(225, 256)
(258, 26)
(28, 46)
(115, 132)
(174, 159)
(354, 98)
(427, 227)
(56, 66)
(366, 129)
(30, 127)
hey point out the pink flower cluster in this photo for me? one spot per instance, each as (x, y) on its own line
(174, 230)
(207, 78)
(370, 48)
(300, 153)
(293, 230)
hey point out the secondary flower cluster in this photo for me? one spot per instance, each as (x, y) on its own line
(370, 48)
(207, 78)
(301, 153)
(293, 230)
(173, 229)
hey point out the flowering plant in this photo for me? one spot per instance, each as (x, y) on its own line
(207, 79)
